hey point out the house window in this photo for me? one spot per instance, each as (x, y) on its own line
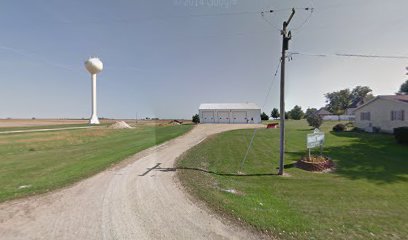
(365, 116)
(397, 115)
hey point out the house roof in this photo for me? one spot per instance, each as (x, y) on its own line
(401, 98)
(394, 98)
(215, 106)
(323, 111)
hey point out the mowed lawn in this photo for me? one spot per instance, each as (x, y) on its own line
(41, 161)
(366, 198)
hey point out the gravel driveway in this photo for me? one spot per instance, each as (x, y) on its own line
(128, 201)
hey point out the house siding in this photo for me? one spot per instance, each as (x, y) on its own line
(380, 115)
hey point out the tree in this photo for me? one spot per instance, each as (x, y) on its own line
(361, 93)
(314, 120)
(275, 113)
(296, 113)
(338, 102)
(286, 115)
(264, 116)
(196, 119)
(404, 88)
(310, 111)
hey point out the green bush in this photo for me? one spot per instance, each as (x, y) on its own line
(376, 129)
(314, 120)
(196, 118)
(264, 116)
(401, 135)
(339, 127)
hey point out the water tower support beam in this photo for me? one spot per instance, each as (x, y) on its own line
(94, 118)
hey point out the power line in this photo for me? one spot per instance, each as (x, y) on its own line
(272, 11)
(306, 20)
(347, 55)
(263, 106)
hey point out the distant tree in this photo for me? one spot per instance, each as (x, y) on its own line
(275, 113)
(339, 101)
(404, 88)
(296, 113)
(314, 120)
(361, 93)
(264, 116)
(310, 111)
(196, 119)
(286, 115)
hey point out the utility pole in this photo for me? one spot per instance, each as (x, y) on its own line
(286, 36)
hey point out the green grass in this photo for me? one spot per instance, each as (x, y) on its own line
(366, 198)
(49, 160)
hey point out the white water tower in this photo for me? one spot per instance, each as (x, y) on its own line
(94, 66)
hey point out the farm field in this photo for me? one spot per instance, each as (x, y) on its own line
(20, 123)
(38, 162)
(365, 198)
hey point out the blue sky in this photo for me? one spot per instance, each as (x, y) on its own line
(164, 58)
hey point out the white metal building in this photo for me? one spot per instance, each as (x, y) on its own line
(229, 113)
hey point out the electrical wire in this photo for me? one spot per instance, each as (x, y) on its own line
(263, 106)
(348, 55)
(304, 22)
(272, 11)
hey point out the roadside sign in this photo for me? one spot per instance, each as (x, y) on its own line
(315, 139)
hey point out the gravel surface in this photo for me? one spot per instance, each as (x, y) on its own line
(128, 201)
(120, 125)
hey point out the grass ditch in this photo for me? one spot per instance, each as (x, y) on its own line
(365, 198)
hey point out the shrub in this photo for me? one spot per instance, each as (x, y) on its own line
(314, 120)
(376, 129)
(264, 116)
(196, 118)
(349, 125)
(401, 135)
(296, 113)
(339, 127)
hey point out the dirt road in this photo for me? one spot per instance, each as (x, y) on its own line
(129, 201)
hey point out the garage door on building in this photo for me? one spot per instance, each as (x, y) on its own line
(239, 117)
(223, 117)
(208, 116)
(247, 113)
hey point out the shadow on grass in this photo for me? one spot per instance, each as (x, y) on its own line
(215, 173)
(375, 157)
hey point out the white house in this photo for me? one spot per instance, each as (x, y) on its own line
(383, 113)
(229, 113)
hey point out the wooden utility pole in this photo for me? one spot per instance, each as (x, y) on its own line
(286, 36)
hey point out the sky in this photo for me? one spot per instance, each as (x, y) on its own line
(163, 58)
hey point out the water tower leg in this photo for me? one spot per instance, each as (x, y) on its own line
(94, 118)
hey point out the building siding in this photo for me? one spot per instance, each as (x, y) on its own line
(380, 115)
(227, 115)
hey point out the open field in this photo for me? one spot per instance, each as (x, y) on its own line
(6, 123)
(28, 124)
(38, 162)
(366, 198)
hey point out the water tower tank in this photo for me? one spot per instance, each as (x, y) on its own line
(94, 65)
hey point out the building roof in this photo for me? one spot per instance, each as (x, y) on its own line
(394, 98)
(401, 98)
(323, 111)
(215, 106)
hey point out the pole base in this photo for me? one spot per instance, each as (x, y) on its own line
(94, 120)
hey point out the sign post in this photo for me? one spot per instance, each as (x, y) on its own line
(315, 139)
